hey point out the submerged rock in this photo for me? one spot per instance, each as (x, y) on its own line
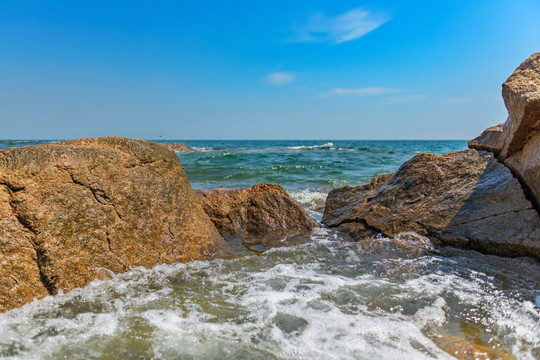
(465, 199)
(521, 151)
(69, 210)
(265, 210)
(492, 139)
(179, 147)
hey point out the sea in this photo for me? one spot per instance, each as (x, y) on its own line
(316, 297)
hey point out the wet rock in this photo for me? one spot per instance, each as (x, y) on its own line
(465, 199)
(491, 139)
(521, 150)
(265, 210)
(179, 147)
(70, 210)
(473, 348)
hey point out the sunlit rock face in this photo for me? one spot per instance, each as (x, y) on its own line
(521, 151)
(69, 210)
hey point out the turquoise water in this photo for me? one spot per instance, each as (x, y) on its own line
(319, 298)
(296, 165)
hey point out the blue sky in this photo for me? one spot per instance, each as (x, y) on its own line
(259, 69)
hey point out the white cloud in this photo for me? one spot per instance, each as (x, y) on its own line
(366, 91)
(345, 27)
(280, 78)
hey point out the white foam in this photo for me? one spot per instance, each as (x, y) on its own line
(321, 300)
(328, 145)
(311, 199)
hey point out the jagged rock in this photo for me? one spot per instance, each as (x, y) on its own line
(179, 147)
(491, 139)
(265, 210)
(521, 151)
(68, 210)
(465, 199)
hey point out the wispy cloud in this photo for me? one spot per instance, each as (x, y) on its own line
(280, 78)
(365, 91)
(345, 27)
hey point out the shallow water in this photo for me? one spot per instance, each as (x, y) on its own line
(326, 299)
(315, 297)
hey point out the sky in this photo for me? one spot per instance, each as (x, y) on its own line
(259, 69)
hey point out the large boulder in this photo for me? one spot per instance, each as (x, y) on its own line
(264, 211)
(521, 150)
(465, 199)
(69, 210)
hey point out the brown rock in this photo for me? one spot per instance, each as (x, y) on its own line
(491, 139)
(179, 147)
(465, 199)
(521, 151)
(265, 210)
(70, 209)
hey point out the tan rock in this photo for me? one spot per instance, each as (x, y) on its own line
(70, 209)
(465, 199)
(179, 147)
(521, 151)
(491, 139)
(526, 165)
(265, 210)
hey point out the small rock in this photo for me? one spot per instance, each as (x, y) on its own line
(491, 140)
(179, 147)
(266, 210)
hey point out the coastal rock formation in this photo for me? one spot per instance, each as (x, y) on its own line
(465, 199)
(521, 151)
(265, 210)
(492, 139)
(70, 209)
(179, 147)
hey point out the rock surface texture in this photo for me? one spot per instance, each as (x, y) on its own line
(266, 210)
(70, 209)
(492, 139)
(465, 199)
(180, 147)
(521, 150)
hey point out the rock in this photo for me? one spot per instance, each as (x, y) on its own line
(465, 199)
(491, 139)
(265, 210)
(69, 210)
(521, 151)
(179, 147)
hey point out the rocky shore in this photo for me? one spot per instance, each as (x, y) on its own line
(73, 211)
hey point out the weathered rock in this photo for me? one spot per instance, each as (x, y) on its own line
(465, 199)
(179, 147)
(491, 139)
(265, 210)
(521, 151)
(70, 209)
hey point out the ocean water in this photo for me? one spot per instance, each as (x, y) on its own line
(316, 297)
(307, 169)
